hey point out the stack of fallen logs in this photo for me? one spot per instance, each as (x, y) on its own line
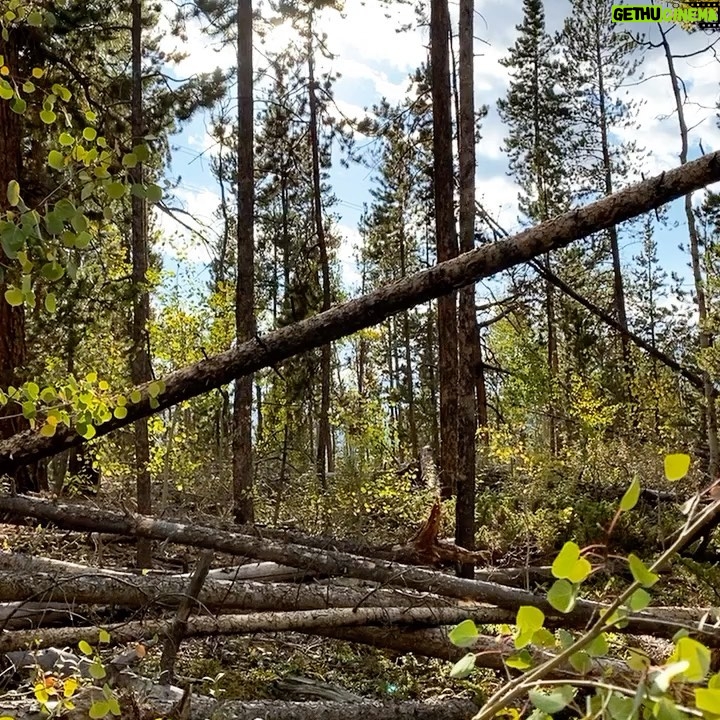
(283, 581)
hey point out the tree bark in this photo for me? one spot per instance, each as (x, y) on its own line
(706, 339)
(467, 344)
(12, 319)
(371, 309)
(243, 506)
(141, 371)
(446, 242)
(325, 461)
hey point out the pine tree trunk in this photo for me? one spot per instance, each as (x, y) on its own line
(618, 289)
(446, 241)
(141, 370)
(325, 462)
(467, 418)
(243, 506)
(12, 319)
(706, 339)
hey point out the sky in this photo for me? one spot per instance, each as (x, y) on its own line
(374, 61)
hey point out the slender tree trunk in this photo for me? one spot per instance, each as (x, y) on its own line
(467, 343)
(446, 241)
(243, 506)
(618, 288)
(12, 319)
(141, 370)
(325, 462)
(706, 339)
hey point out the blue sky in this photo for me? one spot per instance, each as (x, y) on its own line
(374, 61)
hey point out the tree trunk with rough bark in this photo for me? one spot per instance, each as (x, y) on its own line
(243, 469)
(706, 339)
(445, 240)
(467, 345)
(141, 371)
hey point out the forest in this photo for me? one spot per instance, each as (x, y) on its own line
(357, 360)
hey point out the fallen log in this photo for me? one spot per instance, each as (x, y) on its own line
(326, 562)
(441, 279)
(134, 591)
(251, 623)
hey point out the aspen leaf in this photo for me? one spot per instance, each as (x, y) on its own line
(13, 193)
(464, 634)
(676, 466)
(631, 496)
(463, 667)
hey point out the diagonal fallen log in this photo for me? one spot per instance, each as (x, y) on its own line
(73, 517)
(375, 307)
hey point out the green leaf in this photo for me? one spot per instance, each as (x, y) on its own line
(14, 296)
(48, 116)
(520, 661)
(463, 635)
(82, 240)
(676, 466)
(28, 87)
(135, 396)
(695, 654)
(85, 648)
(19, 106)
(631, 496)
(463, 667)
(639, 600)
(52, 271)
(32, 390)
(142, 152)
(130, 160)
(56, 160)
(50, 302)
(708, 700)
(621, 707)
(35, 19)
(99, 709)
(97, 670)
(66, 139)
(543, 638)
(581, 662)
(529, 619)
(155, 388)
(598, 647)
(6, 91)
(89, 133)
(641, 573)
(562, 596)
(154, 193)
(553, 702)
(13, 193)
(569, 565)
(120, 413)
(115, 190)
(103, 636)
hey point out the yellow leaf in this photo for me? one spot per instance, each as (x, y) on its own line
(676, 466)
